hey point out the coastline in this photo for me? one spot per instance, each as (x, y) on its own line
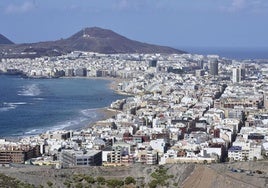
(103, 113)
(113, 85)
(106, 113)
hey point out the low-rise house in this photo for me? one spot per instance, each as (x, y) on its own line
(235, 153)
(159, 145)
(255, 152)
(265, 149)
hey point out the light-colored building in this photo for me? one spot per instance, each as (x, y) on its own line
(81, 158)
(236, 75)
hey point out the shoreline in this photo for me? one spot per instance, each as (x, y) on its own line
(114, 81)
(104, 113)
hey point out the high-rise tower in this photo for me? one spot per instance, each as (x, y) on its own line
(213, 67)
(236, 75)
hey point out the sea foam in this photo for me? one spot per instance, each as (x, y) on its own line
(92, 113)
(85, 117)
(69, 124)
(6, 106)
(30, 90)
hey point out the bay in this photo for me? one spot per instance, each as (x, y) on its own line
(32, 106)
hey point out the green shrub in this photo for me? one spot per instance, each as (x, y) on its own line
(89, 179)
(159, 177)
(79, 185)
(175, 184)
(114, 183)
(49, 183)
(129, 180)
(153, 184)
(100, 180)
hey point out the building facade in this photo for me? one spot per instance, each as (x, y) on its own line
(18, 154)
(81, 158)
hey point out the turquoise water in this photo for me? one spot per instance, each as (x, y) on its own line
(32, 106)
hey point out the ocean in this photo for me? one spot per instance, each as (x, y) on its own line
(33, 106)
(230, 53)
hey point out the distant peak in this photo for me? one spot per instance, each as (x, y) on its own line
(92, 39)
(94, 32)
(4, 40)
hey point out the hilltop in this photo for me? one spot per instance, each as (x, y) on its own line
(106, 41)
(93, 39)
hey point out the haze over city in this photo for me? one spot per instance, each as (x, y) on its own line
(206, 23)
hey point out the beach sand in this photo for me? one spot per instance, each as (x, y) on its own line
(113, 85)
(108, 113)
(105, 113)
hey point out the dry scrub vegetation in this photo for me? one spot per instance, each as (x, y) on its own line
(244, 174)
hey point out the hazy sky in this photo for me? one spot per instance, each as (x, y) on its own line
(177, 23)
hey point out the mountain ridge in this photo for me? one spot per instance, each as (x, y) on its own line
(92, 39)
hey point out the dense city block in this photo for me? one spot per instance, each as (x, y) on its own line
(178, 109)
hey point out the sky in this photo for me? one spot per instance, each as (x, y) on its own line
(175, 23)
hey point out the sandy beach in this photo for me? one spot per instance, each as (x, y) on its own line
(106, 112)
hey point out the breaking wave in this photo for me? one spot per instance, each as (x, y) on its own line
(6, 106)
(30, 90)
(84, 118)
